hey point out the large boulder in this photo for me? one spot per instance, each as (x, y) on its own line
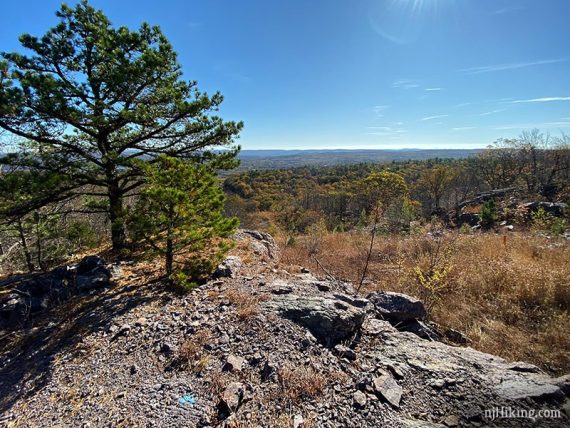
(261, 243)
(397, 307)
(330, 319)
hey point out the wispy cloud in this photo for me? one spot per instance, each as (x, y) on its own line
(380, 128)
(560, 124)
(405, 84)
(510, 66)
(438, 116)
(463, 128)
(488, 113)
(504, 10)
(460, 105)
(379, 110)
(387, 131)
(539, 100)
(433, 89)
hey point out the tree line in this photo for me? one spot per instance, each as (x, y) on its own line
(536, 166)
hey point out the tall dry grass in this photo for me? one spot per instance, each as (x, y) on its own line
(509, 293)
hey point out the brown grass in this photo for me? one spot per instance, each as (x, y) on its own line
(510, 295)
(191, 353)
(246, 303)
(300, 383)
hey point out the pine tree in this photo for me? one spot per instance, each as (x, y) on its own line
(92, 98)
(179, 216)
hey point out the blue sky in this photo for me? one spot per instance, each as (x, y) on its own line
(378, 74)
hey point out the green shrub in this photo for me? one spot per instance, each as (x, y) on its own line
(465, 229)
(179, 216)
(488, 213)
(546, 222)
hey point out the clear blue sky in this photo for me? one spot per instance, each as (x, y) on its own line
(360, 74)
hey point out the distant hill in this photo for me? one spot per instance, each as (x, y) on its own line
(274, 159)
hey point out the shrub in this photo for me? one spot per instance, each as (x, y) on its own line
(488, 213)
(543, 221)
(180, 213)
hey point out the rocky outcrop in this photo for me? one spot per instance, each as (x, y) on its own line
(485, 196)
(261, 243)
(263, 348)
(30, 294)
(330, 319)
(556, 209)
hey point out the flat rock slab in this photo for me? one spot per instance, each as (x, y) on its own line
(414, 423)
(234, 363)
(509, 381)
(388, 388)
(329, 319)
(522, 387)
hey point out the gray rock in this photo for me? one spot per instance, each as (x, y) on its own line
(36, 292)
(345, 352)
(280, 287)
(386, 386)
(557, 209)
(234, 363)
(232, 397)
(330, 320)
(89, 282)
(451, 421)
(420, 329)
(521, 366)
(228, 268)
(359, 399)
(397, 307)
(563, 382)
(298, 421)
(376, 327)
(414, 423)
(261, 243)
(520, 388)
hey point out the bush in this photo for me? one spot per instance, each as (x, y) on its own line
(546, 222)
(488, 213)
(179, 216)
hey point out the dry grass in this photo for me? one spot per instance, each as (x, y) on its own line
(300, 383)
(510, 295)
(191, 354)
(246, 303)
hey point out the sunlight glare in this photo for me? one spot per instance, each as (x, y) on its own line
(402, 21)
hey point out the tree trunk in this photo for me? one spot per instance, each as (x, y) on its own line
(369, 254)
(169, 256)
(27, 254)
(116, 214)
(39, 249)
